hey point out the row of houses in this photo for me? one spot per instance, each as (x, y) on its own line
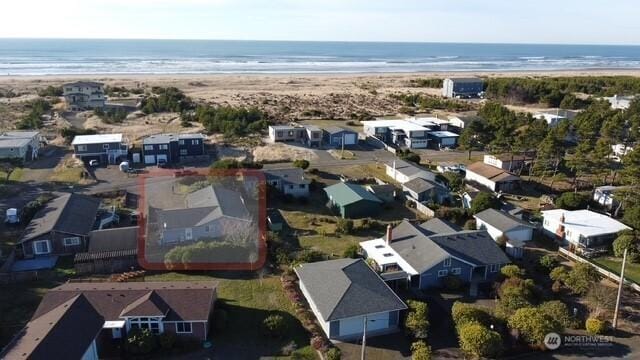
(313, 136)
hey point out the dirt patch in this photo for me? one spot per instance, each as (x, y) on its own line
(282, 152)
(72, 171)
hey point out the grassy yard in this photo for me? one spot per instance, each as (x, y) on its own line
(67, 175)
(631, 271)
(16, 175)
(248, 300)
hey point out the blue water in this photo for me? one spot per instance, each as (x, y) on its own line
(60, 57)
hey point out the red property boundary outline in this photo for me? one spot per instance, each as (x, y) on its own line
(177, 173)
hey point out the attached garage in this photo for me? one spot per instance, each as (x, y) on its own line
(334, 136)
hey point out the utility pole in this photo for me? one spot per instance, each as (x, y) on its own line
(364, 338)
(615, 314)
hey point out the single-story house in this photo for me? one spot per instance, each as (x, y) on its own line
(354, 296)
(110, 251)
(287, 133)
(430, 252)
(171, 148)
(384, 192)
(106, 148)
(421, 190)
(460, 121)
(61, 227)
(290, 181)
(81, 320)
(336, 135)
(509, 162)
(209, 213)
(313, 135)
(581, 228)
(403, 171)
(23, 145)
(501, 225)
(495, 179)
(352, 200)
(443, 139)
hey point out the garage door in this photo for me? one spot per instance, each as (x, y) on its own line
(355, 325)
(149, 159)
(350, 139)
(163, 157)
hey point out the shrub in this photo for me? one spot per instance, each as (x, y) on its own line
(452, 282)
(559, 273)
(626, 240)
(333, 354)
(533, 324)
(595, 326)
(140, 341)
(549, 262)
(572, 201)
(344, 226)
(274, 325)
(470, 224)
(484, 201)
(220, 319)
(317, 342)
(416, 322)
(463, 313)
(558, 312)
(420, 351)
(478, 341)
(600, 298)
(309, 256)
(302, 164)
(512, 271)
(581, 278)
(167, 339)
(556, 287)
(351, 252)
(515, 294)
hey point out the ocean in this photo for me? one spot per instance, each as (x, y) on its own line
(69, 57)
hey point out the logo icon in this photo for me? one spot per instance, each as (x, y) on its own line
(552, 341)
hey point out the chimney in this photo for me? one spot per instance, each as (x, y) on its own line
(389, 234)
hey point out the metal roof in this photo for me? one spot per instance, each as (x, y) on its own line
(346, 193)
(96, 139)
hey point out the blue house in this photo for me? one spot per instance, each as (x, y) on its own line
(335, 136)
(430, 252)
(172, 148)
(443, 139)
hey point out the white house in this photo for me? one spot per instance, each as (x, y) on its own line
(82, 95)
(502, 225)
(346, 294)
(509, 162)
(581, 228)
(620, 102)
(605, 195)
(403, 171)
(496, 179)
(621, 149)
(551, 119)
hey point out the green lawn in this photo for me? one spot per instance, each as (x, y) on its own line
(631, 271)
(16, 175)
(248, 300)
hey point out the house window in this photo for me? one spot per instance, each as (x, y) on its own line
(387, 255)
(164, 147)
(456, 271)
(71, 241)
(195, 142)
(494, 268)
(442, 273)
(152, 324)
(184, 152)
(181, 142)
(208, 228)
(188, 234)
(82, 147)
(446, 262)
(105, 146)
(41, 247)
(279, 134)
(183, 327)
(302, 186)
(148, 147)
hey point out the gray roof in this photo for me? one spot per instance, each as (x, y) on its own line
(84, 84)
(68, 213)
(423, 249)
(311, 127)
(289, 175)
(167, 138)
(501, 220)
(420, 185)
(409, 169)
(115, 239)
(439, 226)
(337, 129)
(13, 139)
(467, 80)
(229, 202)
(346, 288)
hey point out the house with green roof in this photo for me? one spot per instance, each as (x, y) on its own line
(352, 200)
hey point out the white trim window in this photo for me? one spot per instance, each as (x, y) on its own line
(184, 152)
(188, 234)
(148, 147)
(71, 241)
(105, 146)
(82, 147)
(181, 142)
(456, 271)
(41, 247)
(183, 327)
(494, 267)
(146, 323)
(443, 273)
(163, 147)
(446, 262)
(195, 142)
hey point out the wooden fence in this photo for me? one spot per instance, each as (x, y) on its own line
(608, 274)
(421, 208)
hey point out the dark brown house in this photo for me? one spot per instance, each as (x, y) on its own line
(61, 227)
(85, 320)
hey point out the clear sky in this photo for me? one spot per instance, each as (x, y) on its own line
(495, 21)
